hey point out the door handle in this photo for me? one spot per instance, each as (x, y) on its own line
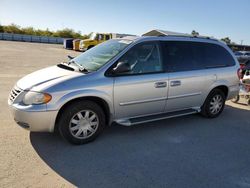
(175, 83)
(160, 84)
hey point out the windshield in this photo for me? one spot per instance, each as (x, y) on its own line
(96, 57)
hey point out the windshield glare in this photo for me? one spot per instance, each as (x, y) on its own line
(96, 57)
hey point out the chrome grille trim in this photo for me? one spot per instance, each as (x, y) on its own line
(14, 93)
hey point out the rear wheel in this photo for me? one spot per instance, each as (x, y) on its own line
(214, 104)
(81, 122)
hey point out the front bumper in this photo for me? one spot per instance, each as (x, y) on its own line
(35, 121)
(35, 118)
(82, 48)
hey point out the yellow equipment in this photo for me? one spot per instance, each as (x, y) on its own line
(76, 44)
(95, 38)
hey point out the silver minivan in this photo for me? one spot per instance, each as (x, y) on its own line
(128, 81)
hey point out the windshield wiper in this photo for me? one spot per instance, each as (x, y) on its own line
(65, 66)
(81, 68)
(70, 57)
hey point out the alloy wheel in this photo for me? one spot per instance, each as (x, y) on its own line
(216, 104)
(84, 124)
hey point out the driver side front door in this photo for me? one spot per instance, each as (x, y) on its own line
(142, 90)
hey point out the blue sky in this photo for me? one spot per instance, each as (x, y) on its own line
(218, 18)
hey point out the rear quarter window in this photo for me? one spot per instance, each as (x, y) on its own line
(188, 56)
(217, 56)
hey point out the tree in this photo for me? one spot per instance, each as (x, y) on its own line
(195, 33)
(227, 40)
(28, 30)
(1, 29)
(68, 33)
(13, 28)
(46, 32)
(64, 33)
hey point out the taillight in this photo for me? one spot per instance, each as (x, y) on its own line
(240, 73)
(242, 66)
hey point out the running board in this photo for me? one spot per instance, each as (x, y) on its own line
(146, 119)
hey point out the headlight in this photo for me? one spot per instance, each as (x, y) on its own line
(32, 97)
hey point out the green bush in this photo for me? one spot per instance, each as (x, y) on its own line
(64, 33)
(1, 29)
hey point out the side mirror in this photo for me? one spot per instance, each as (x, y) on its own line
(121, 67)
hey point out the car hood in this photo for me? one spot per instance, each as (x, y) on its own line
(43, 76)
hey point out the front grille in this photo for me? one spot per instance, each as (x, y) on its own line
(14, 93)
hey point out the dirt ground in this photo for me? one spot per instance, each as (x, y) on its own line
(20, 166)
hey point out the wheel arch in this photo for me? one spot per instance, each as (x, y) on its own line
(98, 100)
(206, 108)
(223, 87)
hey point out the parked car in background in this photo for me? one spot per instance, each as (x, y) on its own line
(129, 81)
(238, 54)
(247, 54)
(242, 54)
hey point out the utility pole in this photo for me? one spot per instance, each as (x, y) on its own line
(241, 42)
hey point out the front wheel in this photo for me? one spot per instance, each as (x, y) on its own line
(214, 104)
(81, 122)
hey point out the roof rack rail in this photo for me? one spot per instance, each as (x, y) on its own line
(162, 33)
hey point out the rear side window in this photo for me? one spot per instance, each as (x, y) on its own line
(187, 56)
(182, 56)
(217, 56)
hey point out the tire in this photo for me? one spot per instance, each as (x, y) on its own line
(81, 122)
(214, 104)
(235, 99)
